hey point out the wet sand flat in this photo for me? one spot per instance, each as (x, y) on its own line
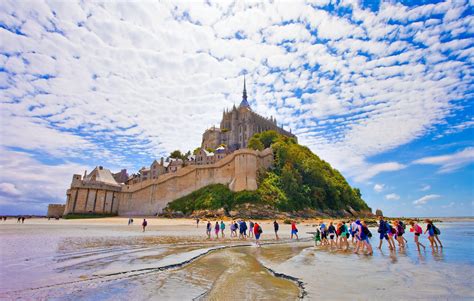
(173, 260)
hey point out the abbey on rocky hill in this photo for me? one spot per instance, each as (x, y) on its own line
(223, 158)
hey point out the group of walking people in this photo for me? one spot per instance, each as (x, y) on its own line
(240, 226)
(338, 235)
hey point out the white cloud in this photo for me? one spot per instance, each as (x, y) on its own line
(25, 181)
(450, 205)
(392, 197)
(425, 187)
(450, 163)
(379, 187)
(375, 169)
(9, 189)
(125, 82)
(425, 199)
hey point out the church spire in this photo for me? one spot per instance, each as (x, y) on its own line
(244, 94)
(244, 102)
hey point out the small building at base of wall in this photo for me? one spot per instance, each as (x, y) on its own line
(56, 210)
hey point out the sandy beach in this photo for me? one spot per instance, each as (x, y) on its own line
(97, 259)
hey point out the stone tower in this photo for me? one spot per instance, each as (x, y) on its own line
(238, 125)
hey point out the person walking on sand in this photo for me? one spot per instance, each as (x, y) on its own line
(417, 230)
(251, 225)
(431, 234)
(197, 222)
(144, 224)
(276, 227)
(222, 229)
(353, 232)
(383, 233)
(436, 232)
(22, 219)
(232, 229)
(294, 230)
(208, 230)
(332, 233)
(404, 230)
(217, 229)
(317, 237)
(242, 234)
(257, 231)
(399, 234)
(363, 234)
(343, 236)
(324, 234)
(19, 220)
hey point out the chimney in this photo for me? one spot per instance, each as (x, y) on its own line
(162, 161)
(85, 174)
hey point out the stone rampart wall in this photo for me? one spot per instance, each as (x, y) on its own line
(239, 170)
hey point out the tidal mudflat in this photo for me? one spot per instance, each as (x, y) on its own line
(108, 260)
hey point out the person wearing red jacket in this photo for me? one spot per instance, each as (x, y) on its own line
(257, 230)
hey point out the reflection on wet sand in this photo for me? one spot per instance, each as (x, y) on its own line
(119, 264)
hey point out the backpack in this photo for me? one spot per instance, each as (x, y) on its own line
(260, 231)
(436, 230)
(403, 225)
(401, 230)
(418, 229)
(366, 231)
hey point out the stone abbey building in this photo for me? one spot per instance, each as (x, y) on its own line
(222, 159)
(238, 126)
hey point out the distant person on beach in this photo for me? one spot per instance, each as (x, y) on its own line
(432, 234)
(257, 231)
(144, 224)
(276, 227)
(417, 230)
(332, 233)
(353, 232)
(208, 229)
(236, 227)
(19, 220)
(222, 229)
(251, 225)
(317, 237)
(344, 234)
(324, 234)
(363, 234)
(399, 234)
(242, 229)
(294, 230)
(129, 221)
(217, 228)
(197, 222)
(383, 231)
(436, 233)
(232, 229)
(391, 234)
(22, 219)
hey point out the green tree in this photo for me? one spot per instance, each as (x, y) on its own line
(268, 138)
(256, 144)
(176, 154)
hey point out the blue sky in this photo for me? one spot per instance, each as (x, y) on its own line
(383, 91)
